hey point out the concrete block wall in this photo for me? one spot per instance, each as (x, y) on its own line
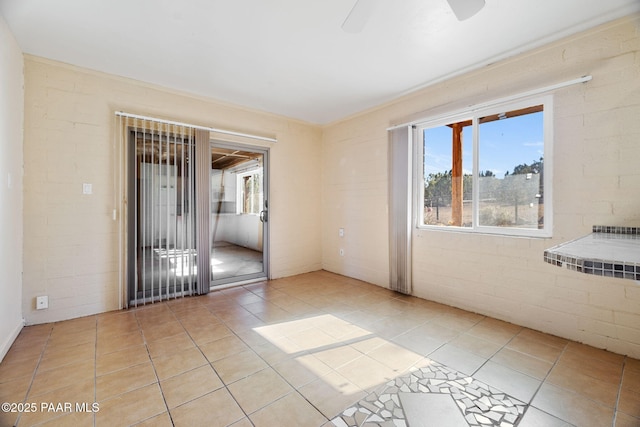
(72, 242)
(596, 181)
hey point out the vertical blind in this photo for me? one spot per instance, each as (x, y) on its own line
(161, 259)
(400, 213)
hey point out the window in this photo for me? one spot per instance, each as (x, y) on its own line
(484, 170)
(249, 192)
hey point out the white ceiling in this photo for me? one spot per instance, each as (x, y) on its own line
(291, 57)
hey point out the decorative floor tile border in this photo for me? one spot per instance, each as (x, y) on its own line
(480, 404)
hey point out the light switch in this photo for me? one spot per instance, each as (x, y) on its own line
(87, 189)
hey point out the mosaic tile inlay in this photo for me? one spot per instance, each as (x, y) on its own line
(608, 251)
(479, 403)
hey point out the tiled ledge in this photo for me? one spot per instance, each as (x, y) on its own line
(608, 251)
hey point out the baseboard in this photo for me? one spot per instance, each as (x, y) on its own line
(6, 345)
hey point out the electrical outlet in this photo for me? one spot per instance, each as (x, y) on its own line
(42, 302)
(341, 232)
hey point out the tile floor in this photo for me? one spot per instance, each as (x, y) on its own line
(311, 350)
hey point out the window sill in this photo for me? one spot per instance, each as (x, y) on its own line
(490, 231)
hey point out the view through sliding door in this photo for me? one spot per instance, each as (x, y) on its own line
(239, 215)
(197, 212)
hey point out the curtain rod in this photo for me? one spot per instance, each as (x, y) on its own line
(476, 107)
(170, 122)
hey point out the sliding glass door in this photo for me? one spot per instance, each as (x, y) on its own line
(238, 226)
(162, 240)
(197, 212)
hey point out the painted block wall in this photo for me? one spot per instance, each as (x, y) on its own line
(71, 240)
(11, 124)
(596, 182)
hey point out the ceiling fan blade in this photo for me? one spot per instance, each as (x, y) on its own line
(359, 15)
(465, 9)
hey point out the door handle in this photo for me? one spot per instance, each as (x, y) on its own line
(263, 216)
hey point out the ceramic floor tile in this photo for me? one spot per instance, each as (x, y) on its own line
(111, 343)
(170, 345)
(162, 420)
(238, 366)
(435, 331)
(596, 353)
(177, 363)
(195, 319)
(550, 340)
(303, 328)
(23, 351)
(367, 344)
(244, 422)
(162, 331)
(63, 339)
(512, 382)
(593, 367)
(624, 420)
(301, 370)
(117, 329)
(396, 357)
(367, 373)
(258, 390)
(458, 359)
(224, 347)
(528, 365)
(387, 328)
(190, 385)
(426, 409)
(536, 418)
(62, 377)
(8, 418)
(15, 390)
(337, 356)
(495, 331)
(121, 359)
(17, 368)
(216, 409)
(632, 364)
(131, 408)
(476, 345)
(458, 322)
(416, 341)
(75, 419)
(312, 339)
(631, 380)
(124, 380)
(274, 353)
(572, 407)
(573, 378)
(78, 392)
(331, 393)
(77, 324)
(55, 357)
(629, 403)
(535, 348)
(289, 411)
(209, 333)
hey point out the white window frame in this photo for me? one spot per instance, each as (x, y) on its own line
(240, 191)
(474, 115)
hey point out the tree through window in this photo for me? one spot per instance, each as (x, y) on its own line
(485, 172)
